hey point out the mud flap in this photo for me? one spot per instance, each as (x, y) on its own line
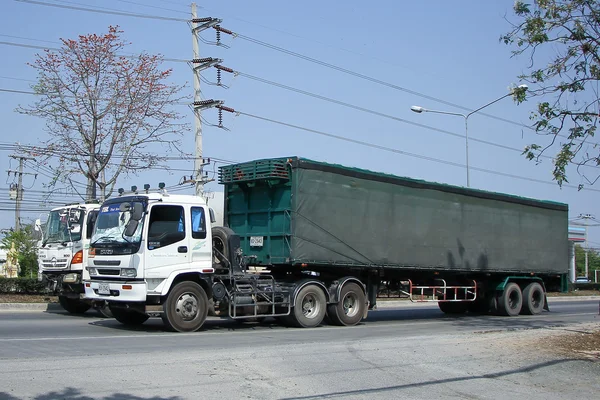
(546, 303)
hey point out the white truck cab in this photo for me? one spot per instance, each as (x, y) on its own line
(142, 245)
(62, 252)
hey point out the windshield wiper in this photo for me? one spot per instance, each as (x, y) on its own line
(107, 241)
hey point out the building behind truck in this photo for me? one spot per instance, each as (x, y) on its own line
(62, 254)
(329, 239)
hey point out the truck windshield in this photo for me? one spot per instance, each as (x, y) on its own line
(111, 224)
(64, 225)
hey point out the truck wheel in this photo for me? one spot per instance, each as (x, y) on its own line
(128, 317)
(186, 307)
(351, 307)
(451, 307)
(220, 242)
(74, 306)
(309, 307)
(511, 300)
(533, 299)
(104, 311)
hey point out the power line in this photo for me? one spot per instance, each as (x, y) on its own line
(111, 11)
(132, 56)
(397, 151)
(155, 7)
(380, 114)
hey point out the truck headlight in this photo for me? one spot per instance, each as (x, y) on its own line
(128, 272)
(93, 271)
(71, 278)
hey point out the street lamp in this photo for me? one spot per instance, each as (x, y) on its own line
(420, 110)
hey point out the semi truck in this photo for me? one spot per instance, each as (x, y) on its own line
(62, 255)
(304, 240)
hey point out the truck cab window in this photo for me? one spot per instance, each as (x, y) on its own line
(166, 226)
(198, 223)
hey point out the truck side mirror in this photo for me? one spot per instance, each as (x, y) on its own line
(213, 219)
(131, 227)
(37, 225)
(137, 212)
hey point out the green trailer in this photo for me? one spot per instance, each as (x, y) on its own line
(468, 249)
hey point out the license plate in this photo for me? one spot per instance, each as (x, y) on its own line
(103, 288)
(256, 241)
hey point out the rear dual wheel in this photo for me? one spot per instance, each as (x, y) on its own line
(350, 309)
(309, 308)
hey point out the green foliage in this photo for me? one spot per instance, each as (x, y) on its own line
(26, 248)
(21, 286)
(593, 261)
(562, 40)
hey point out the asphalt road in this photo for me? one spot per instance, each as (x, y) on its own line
(415, 352)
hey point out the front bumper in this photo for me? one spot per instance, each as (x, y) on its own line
(119, 290)
(62, 281)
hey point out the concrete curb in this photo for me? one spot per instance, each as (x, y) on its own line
(15, 307)
(30, 307)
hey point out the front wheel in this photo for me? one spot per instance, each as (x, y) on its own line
(351, 307)
(104, 310)
(128, 317)
(186, 307)
(74, 306)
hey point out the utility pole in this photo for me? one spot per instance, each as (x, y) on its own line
(199, 64)
(19, 189)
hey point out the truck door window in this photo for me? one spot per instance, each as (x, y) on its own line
(166, 226)
(91, 220)
(198, 223)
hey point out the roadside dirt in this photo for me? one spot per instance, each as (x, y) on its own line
(584, 343)
(27, 298)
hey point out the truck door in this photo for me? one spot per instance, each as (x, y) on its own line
(167, 245)
(201, 247)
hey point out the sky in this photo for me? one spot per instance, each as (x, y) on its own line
(381, 57)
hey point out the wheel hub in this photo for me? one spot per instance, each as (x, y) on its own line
(310, 306)
(187, 306)
(349, 304)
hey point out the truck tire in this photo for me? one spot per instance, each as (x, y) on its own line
(128, 317)
(309, 308)
(453, 307)
(350, 308)
(511, 300)
(74, 306)
(533, 299)
(104, 311)
(186, 307)
(220, 242)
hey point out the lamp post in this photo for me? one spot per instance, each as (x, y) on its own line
(420, 110)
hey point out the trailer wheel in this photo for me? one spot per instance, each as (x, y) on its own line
(128, 317)
(533, 299)
(309, 308)
(74, 306)
(511, 300)
(186, 307)
(350, 309)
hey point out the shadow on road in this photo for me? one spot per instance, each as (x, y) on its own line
(494, 375)
(479, 323)
(75, 394)
(154, 325)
